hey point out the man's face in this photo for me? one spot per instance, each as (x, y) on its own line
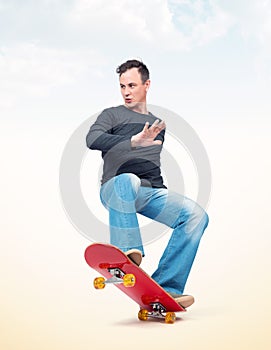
(132, 89)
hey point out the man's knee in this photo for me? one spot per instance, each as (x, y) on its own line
(128, 179)
(120, 193)
(205, 219)
(199, 219)
(126, 186)
(193, 217)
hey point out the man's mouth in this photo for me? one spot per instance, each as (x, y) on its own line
(128, 100)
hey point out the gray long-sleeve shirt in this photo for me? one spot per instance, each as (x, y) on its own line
(111, 134)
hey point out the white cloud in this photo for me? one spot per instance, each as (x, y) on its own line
(83, 32)
(127, 20)
(26, 69)
(171, 25)
(124, 25)
(199, 21)
(253, 19)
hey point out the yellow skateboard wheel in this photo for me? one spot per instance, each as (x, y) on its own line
(99, 283)
(143, 315)
(129, 280)
(170, 317)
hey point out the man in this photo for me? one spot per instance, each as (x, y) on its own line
(131, 140)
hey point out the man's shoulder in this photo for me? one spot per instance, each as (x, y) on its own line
(111, 113)
(113, 109)
(122, 115)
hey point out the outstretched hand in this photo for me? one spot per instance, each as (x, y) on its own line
(145, 138)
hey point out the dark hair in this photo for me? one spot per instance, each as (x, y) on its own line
(142, 69)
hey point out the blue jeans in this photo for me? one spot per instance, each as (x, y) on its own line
(124, 197)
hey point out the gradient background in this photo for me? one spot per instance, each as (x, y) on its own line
(210, 63)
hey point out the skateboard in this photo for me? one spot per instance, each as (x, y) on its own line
(117, 269)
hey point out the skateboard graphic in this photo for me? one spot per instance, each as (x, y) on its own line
(116, 268)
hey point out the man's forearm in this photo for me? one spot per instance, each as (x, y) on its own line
(98, 140)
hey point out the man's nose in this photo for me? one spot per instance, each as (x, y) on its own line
(127, 91)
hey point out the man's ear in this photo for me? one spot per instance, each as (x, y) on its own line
(147, 84)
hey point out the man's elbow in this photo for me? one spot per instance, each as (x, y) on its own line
(89, 142)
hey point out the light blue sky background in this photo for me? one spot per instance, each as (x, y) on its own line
(209, 60)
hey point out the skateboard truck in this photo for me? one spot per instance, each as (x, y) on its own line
(158, 311)
(118, 277)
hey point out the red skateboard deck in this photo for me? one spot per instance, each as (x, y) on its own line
(113, 264)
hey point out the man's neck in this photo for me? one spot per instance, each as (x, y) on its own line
(140, 107)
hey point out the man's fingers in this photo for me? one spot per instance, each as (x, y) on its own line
(153, 130)
(146, 137)
(146, 126)
(155, 124)
(162, 125)
(158, 125)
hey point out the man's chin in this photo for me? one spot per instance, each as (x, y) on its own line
(133, 104)
(130, 104)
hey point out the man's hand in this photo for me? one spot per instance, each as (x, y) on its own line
(146, 137)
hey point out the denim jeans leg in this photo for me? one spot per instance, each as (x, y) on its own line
(118, 195)
(188, 221)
